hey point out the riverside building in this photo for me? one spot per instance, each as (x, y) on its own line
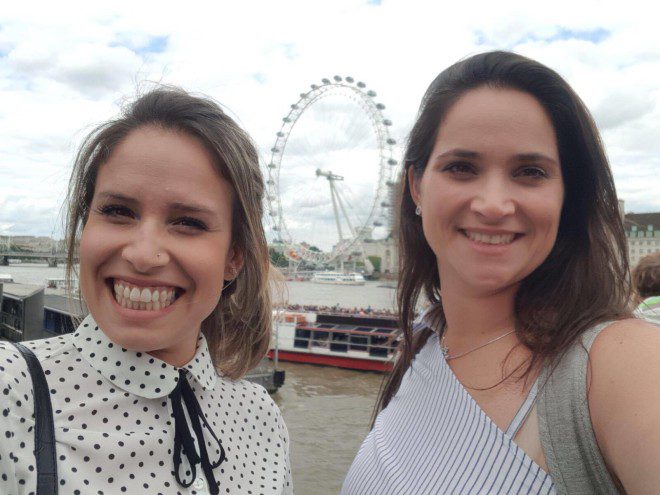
(643, 234)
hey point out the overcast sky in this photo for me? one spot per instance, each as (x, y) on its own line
(65, 68)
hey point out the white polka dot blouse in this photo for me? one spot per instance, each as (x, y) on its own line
(126, 422)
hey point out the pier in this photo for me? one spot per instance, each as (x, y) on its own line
(52, 258)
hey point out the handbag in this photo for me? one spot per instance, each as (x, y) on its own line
(44, 428)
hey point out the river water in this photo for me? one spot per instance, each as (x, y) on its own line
(327, 410)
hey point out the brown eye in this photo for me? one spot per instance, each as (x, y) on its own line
(532, 172)
(192, 223)
(115, 211)
(460, 169)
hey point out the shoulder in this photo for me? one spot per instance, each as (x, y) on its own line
(242, 388)
(13, 367)
(15, 388)
(44, 349)
(624, 359)
(624, 356)
(624, 398)
(250, 401)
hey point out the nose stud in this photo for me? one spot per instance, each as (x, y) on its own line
(418, 211)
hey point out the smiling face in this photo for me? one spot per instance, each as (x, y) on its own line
(156, 246)
(491, 194)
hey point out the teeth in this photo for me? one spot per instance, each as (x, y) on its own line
(142, 298)
(490, 239)
(145, 295)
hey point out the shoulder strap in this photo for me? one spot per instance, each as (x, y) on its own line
(44, 430)
(567, 436)
(524, 411)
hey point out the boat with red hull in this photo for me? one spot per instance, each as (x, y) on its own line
(360, 342)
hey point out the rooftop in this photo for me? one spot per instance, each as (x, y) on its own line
(63, 304)
(20, 291)
(641, 220)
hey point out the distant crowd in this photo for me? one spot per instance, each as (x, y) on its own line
(336, 309)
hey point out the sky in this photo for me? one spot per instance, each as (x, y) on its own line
(67, 66)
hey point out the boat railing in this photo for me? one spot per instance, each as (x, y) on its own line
(10, 326)
(10, 320)
(381, 342)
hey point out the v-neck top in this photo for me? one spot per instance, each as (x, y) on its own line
(434, 438)
(115, 427)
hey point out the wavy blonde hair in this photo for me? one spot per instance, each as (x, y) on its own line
(238, 330)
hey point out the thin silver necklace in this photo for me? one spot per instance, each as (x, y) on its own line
(445, 350)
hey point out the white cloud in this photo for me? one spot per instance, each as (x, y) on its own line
(65, 66)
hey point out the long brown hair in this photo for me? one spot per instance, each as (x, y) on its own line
(238, 329)
(584, 279)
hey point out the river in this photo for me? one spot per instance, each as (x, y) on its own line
(327, 410)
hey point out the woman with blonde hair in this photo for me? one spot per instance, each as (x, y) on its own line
(145, 396)
(527, 374)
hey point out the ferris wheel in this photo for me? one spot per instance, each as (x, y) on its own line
(330, 173)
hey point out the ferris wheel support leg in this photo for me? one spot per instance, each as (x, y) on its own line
(333, 193)
(343, 210)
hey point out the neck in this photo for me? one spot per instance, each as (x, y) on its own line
(178, 355)
(476, 317)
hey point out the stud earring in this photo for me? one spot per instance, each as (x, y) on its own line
(418, 211)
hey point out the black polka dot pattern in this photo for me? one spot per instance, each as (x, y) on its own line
(114, 425)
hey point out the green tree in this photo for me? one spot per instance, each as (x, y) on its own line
(277, 258)
(375, 261)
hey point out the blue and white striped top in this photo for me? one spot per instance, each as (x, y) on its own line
(433, 438)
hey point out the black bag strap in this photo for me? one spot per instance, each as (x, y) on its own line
(44, 429)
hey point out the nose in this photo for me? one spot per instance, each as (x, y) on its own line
(493, 200)
(145, 250)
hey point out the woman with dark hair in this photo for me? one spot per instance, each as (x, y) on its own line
(165, 207)
(527, 373)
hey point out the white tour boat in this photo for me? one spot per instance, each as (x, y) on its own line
(339, 278)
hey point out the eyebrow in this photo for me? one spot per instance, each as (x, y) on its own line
(176, 205)
(526, 157)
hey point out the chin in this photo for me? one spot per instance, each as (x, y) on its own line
(132, 337)
(491, 283)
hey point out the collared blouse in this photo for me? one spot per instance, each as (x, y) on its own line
(115, 423)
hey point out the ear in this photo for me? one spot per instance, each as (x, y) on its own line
(233, 263)
(413, 185)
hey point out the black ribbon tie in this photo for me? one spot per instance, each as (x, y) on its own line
(183, 440)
